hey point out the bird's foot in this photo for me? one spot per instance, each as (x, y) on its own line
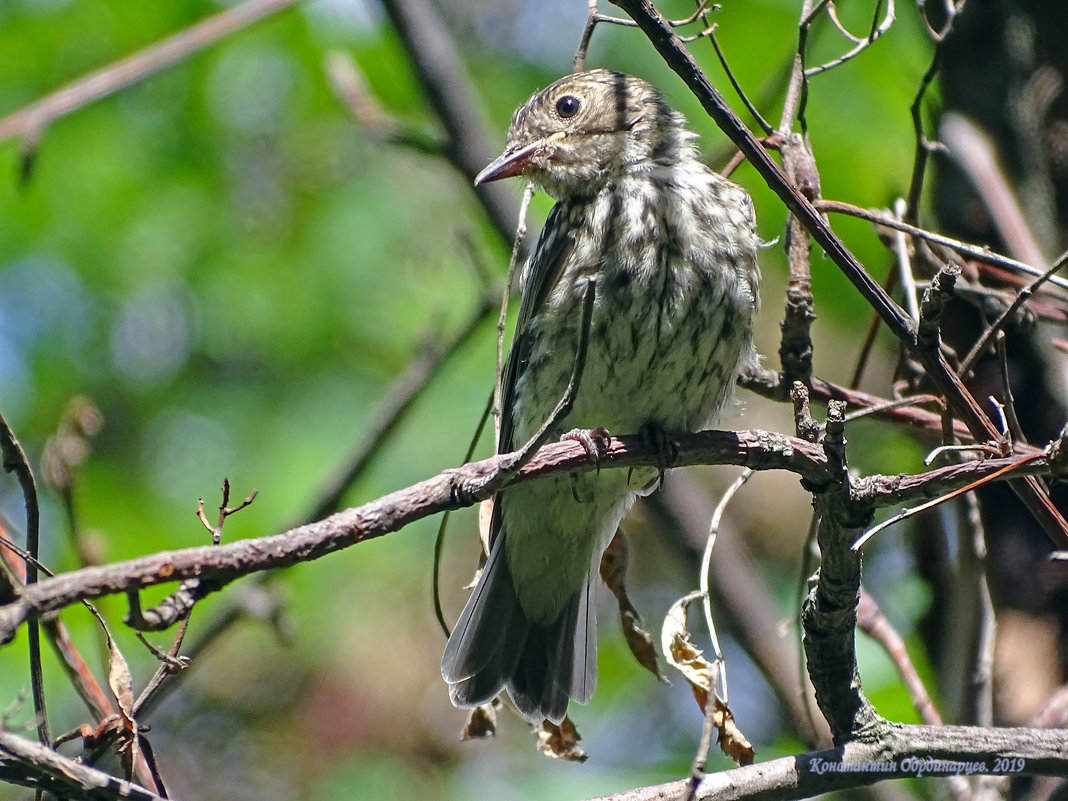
(595, 442)
(667, 452)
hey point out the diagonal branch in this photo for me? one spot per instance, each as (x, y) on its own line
(30, 121)
(218, 565)
(33, 765)
(938, 369)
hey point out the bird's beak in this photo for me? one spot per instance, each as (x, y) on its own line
(515, 159)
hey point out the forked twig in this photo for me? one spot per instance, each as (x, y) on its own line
(861, 43)
(976, 252)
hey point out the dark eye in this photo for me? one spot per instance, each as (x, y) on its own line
(568, 106)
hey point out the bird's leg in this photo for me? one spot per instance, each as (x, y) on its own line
(667, 452)
(595, 442)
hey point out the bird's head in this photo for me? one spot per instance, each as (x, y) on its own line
(587, 129)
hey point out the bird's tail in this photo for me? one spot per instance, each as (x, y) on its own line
(495, 646)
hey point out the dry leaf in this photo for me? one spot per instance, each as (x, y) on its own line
(481, 722)
(731, 740)
(686, 657)
(641, 646)
(613, 572)
(560, 742)
(121, 682)
(682, 654)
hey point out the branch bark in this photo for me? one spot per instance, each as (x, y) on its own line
(30, 764)
(938, 370)
(218, 565)
(904, 752)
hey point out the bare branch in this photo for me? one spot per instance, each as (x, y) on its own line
(32, 765)
(904, 752)
(30, 121)
(15, 461)
(872, 621)
(976, 252)
(464, 486)
(878, 28)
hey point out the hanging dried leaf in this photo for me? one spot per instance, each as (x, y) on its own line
(121, 683)
(481, 722)
(682, 654)
(687, 658)
(613, 572)
(731, 740)
(560, 742)
(641, 646)
(614, 563)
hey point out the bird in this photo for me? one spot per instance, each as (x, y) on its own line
(672, 247)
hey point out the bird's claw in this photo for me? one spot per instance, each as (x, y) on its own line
(595, 442)
(667, 452)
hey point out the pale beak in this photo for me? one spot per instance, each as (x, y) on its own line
(509, 164)
(515, 159)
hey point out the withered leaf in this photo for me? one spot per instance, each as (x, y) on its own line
(682, 654)
(731, 740)
(560, 742)
(121, 682)
(481, 722)
(613, 572)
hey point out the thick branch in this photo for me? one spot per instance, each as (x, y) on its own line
(829, 613)
(465, 486)
(906, 752)
(33, 765)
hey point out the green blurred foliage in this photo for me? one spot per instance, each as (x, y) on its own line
(234, 272)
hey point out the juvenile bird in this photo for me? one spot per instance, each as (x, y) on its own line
(673, 248)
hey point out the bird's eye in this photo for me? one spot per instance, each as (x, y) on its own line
(568, 106)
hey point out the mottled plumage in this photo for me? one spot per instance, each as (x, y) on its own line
(673, 247)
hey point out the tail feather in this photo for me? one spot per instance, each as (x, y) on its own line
(494, 646)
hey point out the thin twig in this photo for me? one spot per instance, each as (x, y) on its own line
(516, 461)
(973, 600)
(763, 123)
(1015, 430)
(901, 403)
(976, 252)
(861, 43)
(924, 146)
(998, 325)
(15, 461)
(872, 622)
(706, 562)
(30, 121)
(907, 513)
(439, 540)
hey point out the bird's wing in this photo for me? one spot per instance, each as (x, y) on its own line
(542, 273)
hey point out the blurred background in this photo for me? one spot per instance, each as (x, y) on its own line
(234, 270)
